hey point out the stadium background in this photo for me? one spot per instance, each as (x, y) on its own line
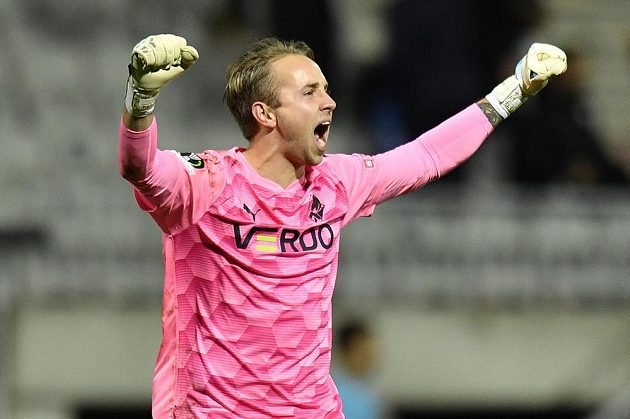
(490, 297)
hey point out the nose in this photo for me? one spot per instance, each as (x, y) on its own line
(328, 104)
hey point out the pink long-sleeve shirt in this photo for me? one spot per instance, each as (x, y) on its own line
(250, 267)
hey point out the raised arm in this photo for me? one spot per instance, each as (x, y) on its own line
(155, 61)
(441, 149)
(166, 184)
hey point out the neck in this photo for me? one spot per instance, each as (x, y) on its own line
(269, 162)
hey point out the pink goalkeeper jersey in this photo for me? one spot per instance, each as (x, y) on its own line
(250, 267)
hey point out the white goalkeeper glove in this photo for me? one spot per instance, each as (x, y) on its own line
(155, 61)
(532, 74)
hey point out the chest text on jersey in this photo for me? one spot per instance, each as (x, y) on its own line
(289, 240)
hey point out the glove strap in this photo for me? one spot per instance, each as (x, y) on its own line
(139, 102)
(506, 97)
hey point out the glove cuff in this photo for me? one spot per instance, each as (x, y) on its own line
(139, 102)
(507, 97)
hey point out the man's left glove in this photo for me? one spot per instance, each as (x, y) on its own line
(533, 71)
(155, 61)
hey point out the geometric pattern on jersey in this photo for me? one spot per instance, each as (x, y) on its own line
(253, 281)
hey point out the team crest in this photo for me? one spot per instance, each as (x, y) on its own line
(317, 210)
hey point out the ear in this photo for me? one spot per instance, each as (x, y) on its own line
(264, 114)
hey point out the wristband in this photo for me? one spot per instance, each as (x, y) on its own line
(507, 97)
(139, 103)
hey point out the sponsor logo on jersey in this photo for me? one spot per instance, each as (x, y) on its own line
(273, 240)
(285, 240)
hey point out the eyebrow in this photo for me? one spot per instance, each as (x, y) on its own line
(316, 85)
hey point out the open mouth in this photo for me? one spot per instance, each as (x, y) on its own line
(321, 130)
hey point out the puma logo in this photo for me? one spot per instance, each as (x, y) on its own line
(250, 212)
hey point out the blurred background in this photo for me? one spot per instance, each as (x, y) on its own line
(502, 291)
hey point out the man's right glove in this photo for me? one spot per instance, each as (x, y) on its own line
(155, 61)
(532, 74)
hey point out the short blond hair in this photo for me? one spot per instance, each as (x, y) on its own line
(249, 79)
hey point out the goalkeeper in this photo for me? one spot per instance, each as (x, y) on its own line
(251, 235)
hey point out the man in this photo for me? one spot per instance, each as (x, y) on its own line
(251, 235)
(356, 358)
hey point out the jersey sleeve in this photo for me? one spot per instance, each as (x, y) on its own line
(176, 189)
(371, 180)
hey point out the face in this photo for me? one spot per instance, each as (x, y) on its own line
(304, 116)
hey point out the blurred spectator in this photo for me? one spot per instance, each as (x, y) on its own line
(226, 27)
(555, 139)
(442, 56)
(357, 353)
(500, 28)
(430, 72)
(310, 21)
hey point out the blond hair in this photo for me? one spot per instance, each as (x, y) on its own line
(249, 79)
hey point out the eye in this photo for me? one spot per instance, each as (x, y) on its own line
(309, 92)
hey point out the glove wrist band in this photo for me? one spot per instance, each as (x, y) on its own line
(507, 97)
(139, 102)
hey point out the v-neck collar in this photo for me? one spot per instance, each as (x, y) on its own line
(295, 185)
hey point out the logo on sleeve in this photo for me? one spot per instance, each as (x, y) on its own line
(193, 160)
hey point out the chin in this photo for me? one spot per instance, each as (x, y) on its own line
(316, 160)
